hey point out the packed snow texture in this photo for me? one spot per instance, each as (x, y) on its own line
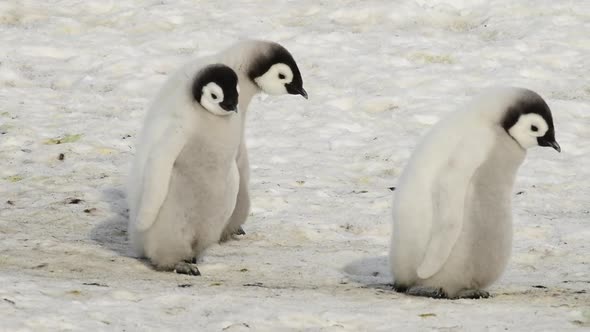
(76, 78)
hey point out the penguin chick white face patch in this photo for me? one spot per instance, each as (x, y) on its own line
(275, 79)
(528, 129)
(211, 98)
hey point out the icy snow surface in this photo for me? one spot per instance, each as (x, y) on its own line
(379, 73)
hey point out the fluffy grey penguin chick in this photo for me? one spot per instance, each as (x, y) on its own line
(184, 181)
(262, 66)
(452, 219)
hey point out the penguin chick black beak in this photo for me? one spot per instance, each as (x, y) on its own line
(303, 93)
(549, 142)
(230, 107)
(555, 145)
(296, 90)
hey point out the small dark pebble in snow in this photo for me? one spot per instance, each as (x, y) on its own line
(10, 202)
(360, 191)
(10, 301)
(374, 274)
(126, 137)
(91, 210)
(229, 327)
(254, 284)
(94, 284)
(392, 188)
(73, 201)
(26, 150)
(61, 156)
(185, 285)
(520, 193)
(40, 266)
(539, 286)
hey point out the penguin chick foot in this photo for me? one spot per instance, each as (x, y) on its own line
(228, 234)
(424, 291)
(399, 287)
(472, 294)
(191, 261)
(240, 231)
(187, 268)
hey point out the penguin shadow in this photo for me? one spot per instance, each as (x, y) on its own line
(371, 272)
(111, 233)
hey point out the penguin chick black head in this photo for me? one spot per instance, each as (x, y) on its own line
(216, 89)
(529, 122)
(276, 72)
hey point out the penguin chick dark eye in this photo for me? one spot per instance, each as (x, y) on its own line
(281, 76)
(214, 96)
(534, 128)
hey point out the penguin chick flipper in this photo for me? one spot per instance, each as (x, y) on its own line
(157, 173)
(187, 268)
(472, 294)
(449, 200)
(424, 291)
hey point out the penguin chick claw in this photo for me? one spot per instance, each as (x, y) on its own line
(187, 268)
(472, 294)
(424, 291)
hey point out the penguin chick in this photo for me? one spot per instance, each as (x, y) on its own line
(184, 181)
(262, 66)
(452, 219)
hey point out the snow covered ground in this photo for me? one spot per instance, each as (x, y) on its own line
(379, 74)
